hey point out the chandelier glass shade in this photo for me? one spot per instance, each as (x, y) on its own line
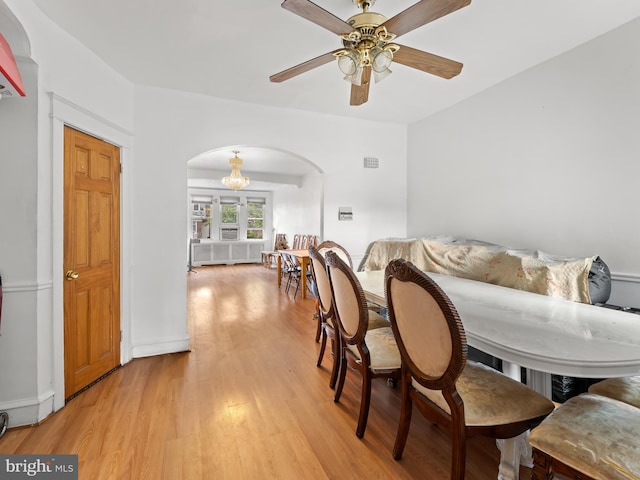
(235, 180)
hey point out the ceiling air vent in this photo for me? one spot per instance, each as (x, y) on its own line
(371, 162)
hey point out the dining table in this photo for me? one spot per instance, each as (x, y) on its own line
(303, 258)
(543, 334)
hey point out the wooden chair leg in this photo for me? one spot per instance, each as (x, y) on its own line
(341, 376)
(365, 401)
(335, 351)
(319, 318)
(459, 452)
(542, 466)
(406, 408)
(323, 345)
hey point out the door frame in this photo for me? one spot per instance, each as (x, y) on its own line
(64, 112)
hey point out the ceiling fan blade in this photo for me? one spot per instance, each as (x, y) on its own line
(303, 67)
(422, 13)
(427, 62)
(360, 93)
(317, 15)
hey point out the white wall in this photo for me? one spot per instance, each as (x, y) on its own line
(298, 210)
(19, 332)
(171, 127)
(546, 160)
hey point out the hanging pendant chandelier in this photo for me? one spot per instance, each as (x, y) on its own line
(235, 180)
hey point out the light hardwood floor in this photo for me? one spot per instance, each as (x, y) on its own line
(247, 402)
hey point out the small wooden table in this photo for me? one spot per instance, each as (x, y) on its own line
(303, 258)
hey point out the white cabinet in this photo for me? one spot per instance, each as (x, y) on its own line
(221, 252)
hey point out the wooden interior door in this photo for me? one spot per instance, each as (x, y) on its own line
(91, 259)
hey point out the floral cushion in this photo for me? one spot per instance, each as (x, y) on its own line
(491, 398)
(383, 349)
(595, 435)
(626, 389)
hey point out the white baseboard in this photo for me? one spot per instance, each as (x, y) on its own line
(161, 347)
(29, 411)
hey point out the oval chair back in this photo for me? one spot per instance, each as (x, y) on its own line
(468, 398)
(327, 326)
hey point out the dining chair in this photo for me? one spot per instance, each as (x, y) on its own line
(269, 256)
(322, 249)
(588, 437)
(312, 241)
(372, 352)
(327, 328)
(290, 270)
(468, 398)
(296, 241)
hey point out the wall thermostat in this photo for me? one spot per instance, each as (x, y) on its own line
(345, 214)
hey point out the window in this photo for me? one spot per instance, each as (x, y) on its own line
(201, 216)
(225, 215)
(229, 210)
(255, 218)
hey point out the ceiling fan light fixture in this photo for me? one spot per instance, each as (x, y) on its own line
(379, 76)
(367, 42)
(355, 78)
(235, 180)
(380, 59)
(348, 61)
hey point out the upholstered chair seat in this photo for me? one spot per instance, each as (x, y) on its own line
(490, 397)
(625, 389)
(588, 436)
(385, 355)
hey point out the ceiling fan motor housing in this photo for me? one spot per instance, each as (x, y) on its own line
(366, 19)
(367, 31)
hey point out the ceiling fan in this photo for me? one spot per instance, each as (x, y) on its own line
(368, 46)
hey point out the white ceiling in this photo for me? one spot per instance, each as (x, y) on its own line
(229, 48)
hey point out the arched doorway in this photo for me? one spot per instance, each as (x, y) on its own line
(291, 186)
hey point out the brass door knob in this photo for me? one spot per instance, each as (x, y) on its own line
(71, 275)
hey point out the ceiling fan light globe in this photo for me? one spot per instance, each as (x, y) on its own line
(348, 62)
(381, 60)
(356, 78)
(379, 76)
(346, 65)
